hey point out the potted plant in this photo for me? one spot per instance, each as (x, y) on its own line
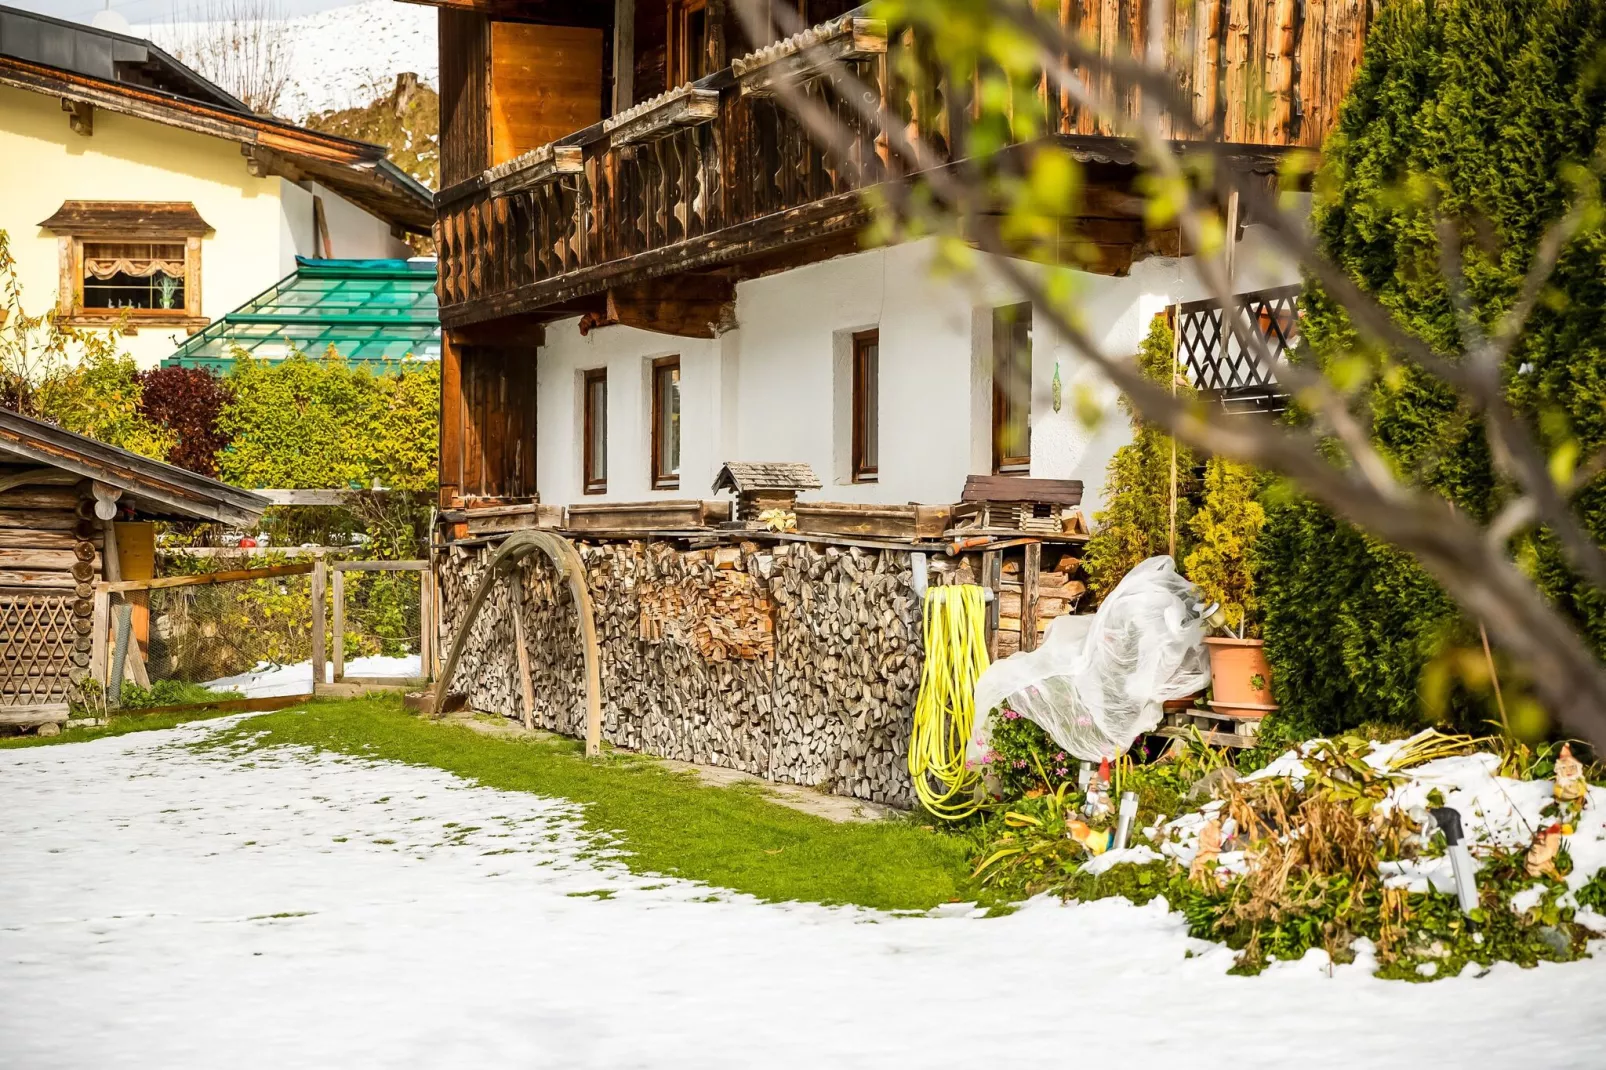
(1221, 563)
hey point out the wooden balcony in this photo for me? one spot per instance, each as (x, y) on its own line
(719, 172)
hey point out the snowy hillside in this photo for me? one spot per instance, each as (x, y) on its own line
(347, 56)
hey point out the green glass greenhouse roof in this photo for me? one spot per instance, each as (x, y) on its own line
(377, 311)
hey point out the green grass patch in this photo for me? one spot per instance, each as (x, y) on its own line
(118, 726)
(668, 822)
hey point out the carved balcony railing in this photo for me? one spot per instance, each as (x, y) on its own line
(719, 170)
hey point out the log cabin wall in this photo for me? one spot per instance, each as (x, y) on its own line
(50, 556)
(797, 662)
(488, 421)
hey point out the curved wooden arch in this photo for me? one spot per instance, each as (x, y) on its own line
(566, 560)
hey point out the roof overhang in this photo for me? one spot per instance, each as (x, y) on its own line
(160, 491)
(355, 169)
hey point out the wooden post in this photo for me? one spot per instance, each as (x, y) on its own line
(515, 581)
(624, 54)
(1029, 574)
(992, 577)
(100, 622)
(1176, 334)
(426, 623)
(339, 620)
(320, 577)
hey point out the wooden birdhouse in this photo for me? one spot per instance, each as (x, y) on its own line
(765, 486)
(1016, 504)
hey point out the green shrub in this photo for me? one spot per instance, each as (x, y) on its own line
(170, 693)
(1476, 112)
(1135, 523)
(305, 422)
(1226, 528)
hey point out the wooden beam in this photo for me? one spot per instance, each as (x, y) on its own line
(34, 714)
(663, 115)
(229, 576)
(545, 164)
(80, 116)
(690, 306)
(520, 330)
(330, 496)
(806, 54)
(624, 55)
(452, 418)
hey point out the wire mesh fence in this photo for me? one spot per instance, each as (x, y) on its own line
(245, 637)
(255, 633)
(379, 619)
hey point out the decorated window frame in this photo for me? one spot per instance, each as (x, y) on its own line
(129, 264)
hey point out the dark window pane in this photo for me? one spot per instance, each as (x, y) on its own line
(866, 406)
(1012, 388)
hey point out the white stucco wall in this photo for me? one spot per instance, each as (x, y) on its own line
(776, 387)
(259, 224)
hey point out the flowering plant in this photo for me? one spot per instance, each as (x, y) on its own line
(1021, 758)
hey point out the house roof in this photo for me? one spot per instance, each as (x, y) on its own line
(1022, 489)
(103, 54)
(127, 220)
(743, 477)
(376, 311)
(159, 491)
(123, 74)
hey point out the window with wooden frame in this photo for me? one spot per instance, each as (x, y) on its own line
(866, 406)
(689, 52)
(666, 423)
(131, 262)
(1012, 389)
(594, 404)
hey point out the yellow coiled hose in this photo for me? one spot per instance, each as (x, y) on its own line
(955, 622)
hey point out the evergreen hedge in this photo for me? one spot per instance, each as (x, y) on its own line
(1482, 112)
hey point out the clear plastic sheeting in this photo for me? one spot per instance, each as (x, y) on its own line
(1097, 683)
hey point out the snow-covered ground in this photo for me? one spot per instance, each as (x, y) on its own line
(270, 680)
(173, 908)
(346, 56)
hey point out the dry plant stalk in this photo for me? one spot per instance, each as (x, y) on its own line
(244, 46)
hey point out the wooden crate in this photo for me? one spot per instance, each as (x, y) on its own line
(874, 521)
(668, 515)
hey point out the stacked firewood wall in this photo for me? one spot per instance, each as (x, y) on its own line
(795, 662)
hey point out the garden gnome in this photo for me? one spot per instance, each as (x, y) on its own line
(1541, 860)
(1209, 850)
(1570, 783)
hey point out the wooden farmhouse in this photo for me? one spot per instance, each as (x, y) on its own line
(137, 194)
(74, 511)
(651, 280)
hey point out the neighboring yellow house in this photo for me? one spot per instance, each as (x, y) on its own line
(136, 192)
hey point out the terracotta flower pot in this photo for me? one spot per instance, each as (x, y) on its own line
(1240, 676)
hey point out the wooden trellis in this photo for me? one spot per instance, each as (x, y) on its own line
(1227, 365)
(42, 640)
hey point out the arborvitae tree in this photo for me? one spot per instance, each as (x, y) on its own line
(1135, 522)
(1226, 528)
(1489, 114)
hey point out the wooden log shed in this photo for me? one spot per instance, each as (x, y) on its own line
(73, 511)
